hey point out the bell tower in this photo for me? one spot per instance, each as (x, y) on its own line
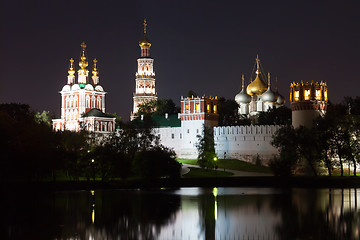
(144, 77)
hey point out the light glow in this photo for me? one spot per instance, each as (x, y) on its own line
(296, 95)
(307, 94)
(318, 94)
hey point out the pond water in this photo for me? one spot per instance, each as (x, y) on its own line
(185, 213)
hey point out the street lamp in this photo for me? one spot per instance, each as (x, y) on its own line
(93, 168)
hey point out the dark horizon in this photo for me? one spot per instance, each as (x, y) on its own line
(204, 46)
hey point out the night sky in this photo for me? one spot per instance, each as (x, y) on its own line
(204, 46)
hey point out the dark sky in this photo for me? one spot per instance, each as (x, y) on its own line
(204, 46)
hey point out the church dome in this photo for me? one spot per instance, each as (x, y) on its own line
(280, 100)
(242, 97)
(89, 87)
(256, 87)
(145, 42)
(99, 88)
(66, 88)
(75, 87)
(269, 96)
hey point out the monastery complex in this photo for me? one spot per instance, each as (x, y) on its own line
(83, 107)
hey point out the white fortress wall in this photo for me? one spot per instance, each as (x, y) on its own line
(245, 142)
(170, 137)
(190, 131)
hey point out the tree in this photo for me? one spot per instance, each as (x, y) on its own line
(156, 162)
(228, 112)
(206, 148)
(275, 116)
(191, 94)
(157, 107)
(285, 139)
(308, 147)
(43, 117)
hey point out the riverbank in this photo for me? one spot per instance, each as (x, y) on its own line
(265, 181)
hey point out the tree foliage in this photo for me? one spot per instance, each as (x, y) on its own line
(333, 141)
(275, 116)
(206, 148)
(31, 150)
(157, 107)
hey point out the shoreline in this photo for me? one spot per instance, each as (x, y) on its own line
(254, 181)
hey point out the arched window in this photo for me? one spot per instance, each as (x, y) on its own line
(67, 102)
(99, 102)
(97, 126)
(75, 101)
(110, 126)
(93, 101)
(71, 101)
(87, 101)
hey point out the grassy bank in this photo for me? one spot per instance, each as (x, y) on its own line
(232, 164)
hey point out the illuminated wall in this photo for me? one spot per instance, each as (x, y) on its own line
(308, 101)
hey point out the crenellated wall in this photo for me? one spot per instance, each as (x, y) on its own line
(239, 142)
(245, 142)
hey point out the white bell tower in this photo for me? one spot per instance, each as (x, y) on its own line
(145, 76)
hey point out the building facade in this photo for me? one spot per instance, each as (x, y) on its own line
(144, 77)
(83, 102)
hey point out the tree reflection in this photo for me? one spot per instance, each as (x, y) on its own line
(69, 215)
(316, 214)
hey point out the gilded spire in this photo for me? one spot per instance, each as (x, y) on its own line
(95, 72)
(242, 82)
(145, 42)
(83, 63)
(145, 24)
(71, 70)
(258, 65)
(268, 80)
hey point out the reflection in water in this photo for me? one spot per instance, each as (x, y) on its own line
(186, 213)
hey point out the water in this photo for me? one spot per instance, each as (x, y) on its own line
(186, 213)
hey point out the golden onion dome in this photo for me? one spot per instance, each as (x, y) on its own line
(145, 42)
(256, 87)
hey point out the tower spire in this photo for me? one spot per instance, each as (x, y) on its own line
(145, 24)
(83, 63)
(71, 76)
(83, 72)
(145, 43)
(257, 64)
(71, 70)
(268, 80)
(242, 82)
(95, 72)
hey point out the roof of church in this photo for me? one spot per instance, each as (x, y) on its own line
(171, 121)
(94, 112)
